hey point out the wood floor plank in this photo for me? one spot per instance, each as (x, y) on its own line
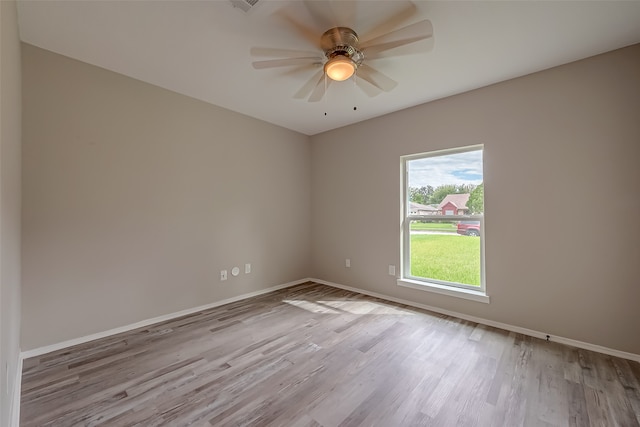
(316, 356)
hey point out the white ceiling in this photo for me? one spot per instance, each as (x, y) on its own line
(201, 49)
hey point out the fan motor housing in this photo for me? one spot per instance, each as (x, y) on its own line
(341, 41)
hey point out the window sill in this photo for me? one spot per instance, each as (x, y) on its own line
(445, 290)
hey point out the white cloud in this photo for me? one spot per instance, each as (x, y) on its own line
(460, 168)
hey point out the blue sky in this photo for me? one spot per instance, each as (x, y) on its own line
(460, 168)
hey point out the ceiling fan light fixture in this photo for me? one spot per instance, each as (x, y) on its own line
(339, 68)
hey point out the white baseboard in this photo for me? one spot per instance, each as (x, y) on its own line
(15, 399)
(81, 340)
(537, 334)
(505, 326)
(15, 407)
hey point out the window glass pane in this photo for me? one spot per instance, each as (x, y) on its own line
(446, 183)
(445, 249)
(439, 252)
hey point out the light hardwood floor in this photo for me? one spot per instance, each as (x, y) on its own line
(312, 355)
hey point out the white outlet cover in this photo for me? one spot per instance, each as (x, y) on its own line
(235, 271)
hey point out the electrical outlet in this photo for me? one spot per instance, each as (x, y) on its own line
(347, 263)
(392, 270)
(223, 274)
(247, 268)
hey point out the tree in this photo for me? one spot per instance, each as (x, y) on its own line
(441, 192)
(427, 195)
(420, 195)
(465, 188)
(476, 200)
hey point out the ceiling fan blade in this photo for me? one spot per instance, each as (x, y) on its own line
(320, 89)
(301, 69)
(308, 87)
(376, 78)
(269, 52)
(309, 34)
(369, 89)
(381, 50)
(420, 30)
(393, 22)
(286, 62)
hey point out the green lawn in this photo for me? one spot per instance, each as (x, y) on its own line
(450, 258)
(435, 226)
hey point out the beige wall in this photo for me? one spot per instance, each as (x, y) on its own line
(561, 147)
(136, 197)
(10, 129)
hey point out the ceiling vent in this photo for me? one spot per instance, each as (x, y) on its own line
(244, 5)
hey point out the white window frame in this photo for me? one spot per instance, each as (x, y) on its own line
(459, 290)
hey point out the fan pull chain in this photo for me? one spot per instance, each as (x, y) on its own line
(355, 91)
(325, 94)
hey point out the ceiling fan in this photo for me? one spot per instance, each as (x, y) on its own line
(341, 53)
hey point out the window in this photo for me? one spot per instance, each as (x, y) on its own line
(443, 223)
